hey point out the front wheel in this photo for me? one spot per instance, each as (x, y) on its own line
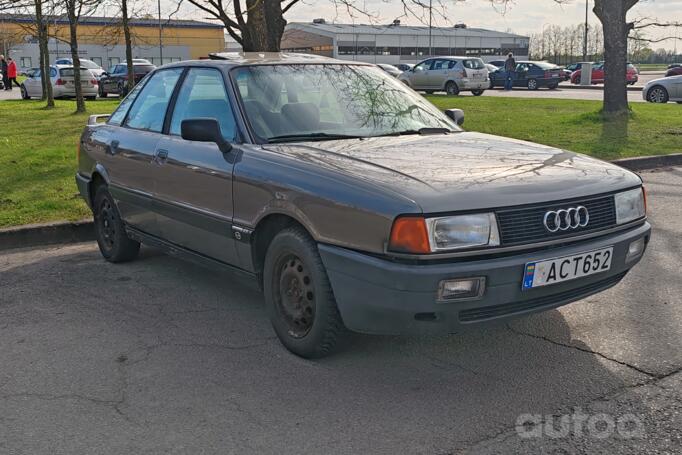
(451, 88)
(532, 84)
(657, 94)
(477, 92)
(112, 239)
(299, 297)
(24, 93)
(102, 93)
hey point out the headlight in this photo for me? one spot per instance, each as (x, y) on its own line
(630, 205)
(421, 236)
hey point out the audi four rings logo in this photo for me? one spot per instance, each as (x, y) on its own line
(565, 219)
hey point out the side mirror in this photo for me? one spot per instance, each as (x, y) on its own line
(456, 114)
(204, 130)
(105, 74)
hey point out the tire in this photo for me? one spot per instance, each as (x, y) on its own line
(577, 80)
(451, 88)
(102, 93)
(679, 102)
(553, 86)
(492, 85)
(24, 93)
(113, 242)
(477, 92)
(299, 297)
(532, 84)
(657, 94)
(122, 90)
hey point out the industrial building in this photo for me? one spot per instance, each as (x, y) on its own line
(396, 43)
(101, 40)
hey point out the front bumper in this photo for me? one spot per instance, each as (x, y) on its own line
(383, 297)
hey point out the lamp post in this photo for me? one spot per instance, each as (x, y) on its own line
(585, 34)
(430, 25)
(158, 4)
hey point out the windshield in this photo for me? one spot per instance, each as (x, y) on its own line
(546, 65)
(331, 101)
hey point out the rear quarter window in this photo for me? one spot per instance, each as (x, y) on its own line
(474, 64)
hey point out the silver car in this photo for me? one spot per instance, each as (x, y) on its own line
(94, 68)
(62, 80)
(451, 74)
(663, 90)
(350, 200)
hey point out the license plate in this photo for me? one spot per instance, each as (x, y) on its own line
(558, 270)
(477, 76)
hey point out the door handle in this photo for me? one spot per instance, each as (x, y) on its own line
(161, 156)
(112, 148)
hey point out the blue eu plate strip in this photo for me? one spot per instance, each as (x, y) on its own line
(528, 276)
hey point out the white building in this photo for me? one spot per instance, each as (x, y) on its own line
(397, 43)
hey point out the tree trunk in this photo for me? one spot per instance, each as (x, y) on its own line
(41, 26)
(612, 14)
(129, 44)
(264, 26)
(73, 37)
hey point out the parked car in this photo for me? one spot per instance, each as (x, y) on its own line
(451, 74)
(491, 68)
(533, 75)
(574, 67)
(497, 63)
(404, 66)
(390, 69)
(62, 80)
(674, 71)
(116, 81)
(663, 90)
(674, 65)
(352, 207)
(599, 75)
(89, 64)
(565, 74)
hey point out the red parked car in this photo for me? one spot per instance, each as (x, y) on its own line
(674, 71)
(598, 74)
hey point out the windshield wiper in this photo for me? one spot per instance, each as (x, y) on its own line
(311, 137)
(422, 131)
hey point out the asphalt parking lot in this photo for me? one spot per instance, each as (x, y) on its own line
(162, 356)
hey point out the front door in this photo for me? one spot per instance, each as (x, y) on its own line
(128, 148)
(438, 73)
(419, 79)
(194, 179)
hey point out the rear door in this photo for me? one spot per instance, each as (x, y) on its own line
(521, 75)
(194, 179)
(438, 73)
(128, 145)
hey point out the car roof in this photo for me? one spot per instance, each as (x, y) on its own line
(262, 58)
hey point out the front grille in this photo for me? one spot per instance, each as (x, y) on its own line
(525, 225)
(495, 311)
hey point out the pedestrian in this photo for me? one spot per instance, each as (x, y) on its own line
(509, 68)
(3, 71)
(12, 73)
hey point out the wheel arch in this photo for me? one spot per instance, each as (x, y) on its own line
(265, 231)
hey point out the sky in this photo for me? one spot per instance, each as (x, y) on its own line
(521, 16)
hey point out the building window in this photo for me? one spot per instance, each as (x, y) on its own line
(441, 51)
(25, 62)
(113, 61)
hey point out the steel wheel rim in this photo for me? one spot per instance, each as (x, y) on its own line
(106, 224)
(295, 295)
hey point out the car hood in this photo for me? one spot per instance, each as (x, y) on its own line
(463, 171)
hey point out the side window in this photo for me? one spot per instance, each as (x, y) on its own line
(203, 95)
(452, 64)
(149, 109)
(120, 112)
(439, 64)
(425, 65)
(53, 72)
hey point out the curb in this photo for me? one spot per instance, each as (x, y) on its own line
(630, 88)
(46, 234)
(643, 163)
(30, 235)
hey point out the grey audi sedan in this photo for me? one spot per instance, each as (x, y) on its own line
(350, 200)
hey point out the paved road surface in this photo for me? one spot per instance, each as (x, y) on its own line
(161, 356)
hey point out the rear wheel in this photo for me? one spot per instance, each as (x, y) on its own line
(477, 92)
(451, 88)
(553, 86)
(299, 297)
(657, 94)
(577, 80)
(112, 239)
(532, 84)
